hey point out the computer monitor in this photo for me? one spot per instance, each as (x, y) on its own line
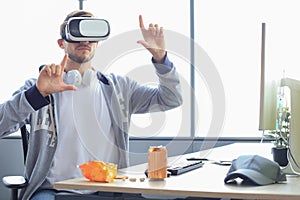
(294, 139)
(268, 108)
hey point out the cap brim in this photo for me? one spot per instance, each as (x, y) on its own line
(252, 175)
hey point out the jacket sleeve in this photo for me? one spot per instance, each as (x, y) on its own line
(15, 111)
(165, 96)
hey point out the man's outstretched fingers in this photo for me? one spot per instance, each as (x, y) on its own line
(63, 63)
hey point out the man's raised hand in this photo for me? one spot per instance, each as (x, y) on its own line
(50, 79)
(154, 40)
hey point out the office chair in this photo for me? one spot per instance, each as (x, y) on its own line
(17, 182)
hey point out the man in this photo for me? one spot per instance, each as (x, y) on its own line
(56, 145)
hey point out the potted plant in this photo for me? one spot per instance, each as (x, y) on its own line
(280, 137)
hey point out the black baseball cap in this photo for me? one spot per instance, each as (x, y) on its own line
(255, 169)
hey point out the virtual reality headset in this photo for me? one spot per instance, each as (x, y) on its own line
(86, 29)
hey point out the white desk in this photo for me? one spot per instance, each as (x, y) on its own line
(207, 181)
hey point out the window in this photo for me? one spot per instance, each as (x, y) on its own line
(230, 32)
(131, 59)
(31, 34)
(227, 35)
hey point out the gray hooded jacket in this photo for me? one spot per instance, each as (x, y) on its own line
(123, 97)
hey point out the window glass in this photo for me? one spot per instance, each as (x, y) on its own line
(28, 39)
(227, 35)
(131, 59)
(32, 28)
(230, 33)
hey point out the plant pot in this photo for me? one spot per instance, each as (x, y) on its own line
(280, 156)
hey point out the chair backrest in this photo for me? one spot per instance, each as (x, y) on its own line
(24, 136)
(17, 182)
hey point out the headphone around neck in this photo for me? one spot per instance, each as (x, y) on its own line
(74, 77)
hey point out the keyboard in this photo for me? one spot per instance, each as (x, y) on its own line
(183, 166)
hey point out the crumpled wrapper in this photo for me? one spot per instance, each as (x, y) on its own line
(99, 171)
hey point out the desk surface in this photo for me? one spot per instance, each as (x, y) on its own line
(207, 181)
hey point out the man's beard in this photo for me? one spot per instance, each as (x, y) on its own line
(80, 60)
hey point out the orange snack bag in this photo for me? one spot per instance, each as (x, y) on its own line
(99, 171)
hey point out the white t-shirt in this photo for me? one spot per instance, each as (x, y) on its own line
(82, 135)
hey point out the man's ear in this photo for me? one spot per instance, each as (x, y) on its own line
(60, 43)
